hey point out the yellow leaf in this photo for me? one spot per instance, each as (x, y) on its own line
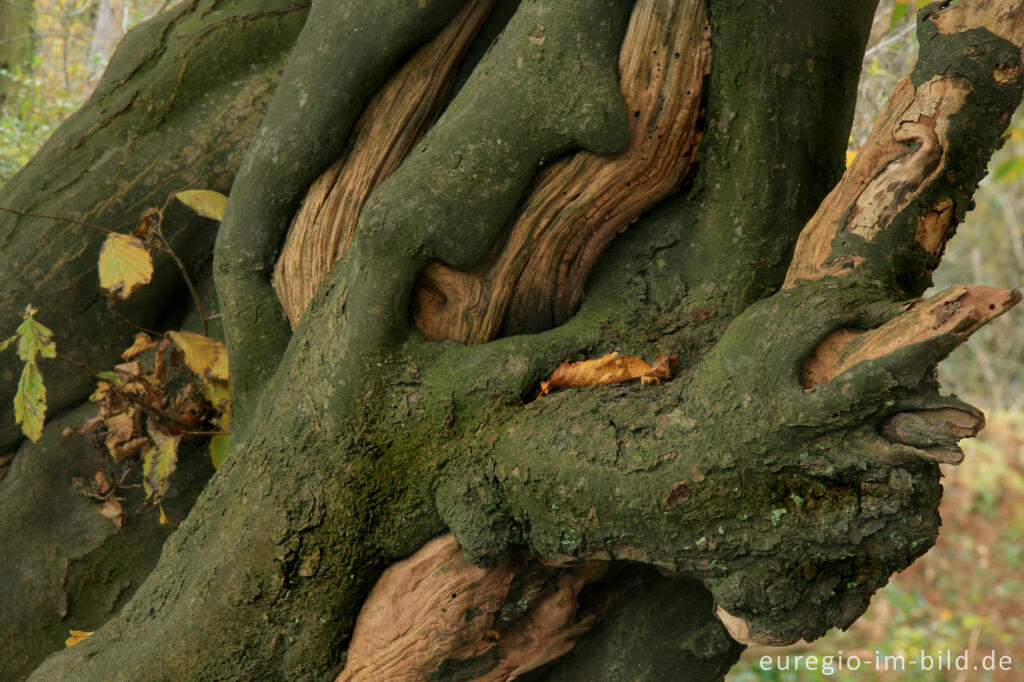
(76, 637)
(125, 265)
(30, 402)
(218, 395)
(164, 521)
(205, 202)
(851, 154)
(159, 463)
(205, 356)
(34, 338)
(219, 446)
(609, 369)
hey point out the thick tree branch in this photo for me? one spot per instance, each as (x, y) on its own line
(344, 54)
(890, 216)
(450, 199)
(790, 504)
(775, 138)
(580, 203)
(394, 121)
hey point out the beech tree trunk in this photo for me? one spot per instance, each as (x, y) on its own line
(420, 229)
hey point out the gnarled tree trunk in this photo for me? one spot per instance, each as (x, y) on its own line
(399, 504)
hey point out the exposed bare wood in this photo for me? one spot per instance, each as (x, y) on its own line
(392, 124)
(435, 608)
(575, 209)
(955, 313)
(904, 153)
(1005, 19)
(579, 204)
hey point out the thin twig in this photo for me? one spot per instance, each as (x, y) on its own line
(891, 39)
(128, 322)
(188, 280)
(59, 218)
(181, 266)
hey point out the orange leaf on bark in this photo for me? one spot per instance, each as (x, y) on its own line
(610, 369)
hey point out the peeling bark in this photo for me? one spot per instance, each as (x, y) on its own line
(908, 182)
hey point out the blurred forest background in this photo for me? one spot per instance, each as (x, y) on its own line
(967, 593)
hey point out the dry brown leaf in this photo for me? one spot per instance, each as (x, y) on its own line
(609, 369)
(141, 344)
(102, 484)
(88, 426)
(122, 451)
(112, 510)
(76, 637)
(664, 365)
(121, 427)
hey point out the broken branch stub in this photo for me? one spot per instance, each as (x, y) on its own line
(935, 432)
(953, 315)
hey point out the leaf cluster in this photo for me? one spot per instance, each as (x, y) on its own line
(145, 407)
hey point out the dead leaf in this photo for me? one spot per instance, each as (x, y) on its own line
(609, 369)
(164, 521)
(88, 426)
(125, 265)
(102, 484)
(664, 365)
(120, 428)
(148, 222)
(112, 510)
(205, 356)
(76, 637)
(141, 344)
(122, 451)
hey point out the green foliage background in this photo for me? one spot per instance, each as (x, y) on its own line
(64, 69)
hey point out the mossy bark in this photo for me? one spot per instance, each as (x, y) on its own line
(178, 105)
(359, 440)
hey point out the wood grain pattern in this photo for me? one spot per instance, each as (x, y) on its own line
(579, 204)
(397, 117)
